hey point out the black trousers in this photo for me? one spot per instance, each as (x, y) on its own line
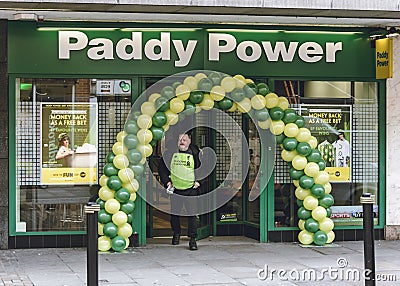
(177, 204)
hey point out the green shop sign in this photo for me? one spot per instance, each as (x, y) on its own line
(148, 51)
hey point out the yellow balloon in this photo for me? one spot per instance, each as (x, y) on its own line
(296, 183)
(277, 127)
(121, 135)
(148, 108)
(145, 149)
(264, 124)
(249, 80)
(288, 156)
(176, 105)
(331, 237)
(322, 178)
(112, 206)
(144, 136)
(217, 93)
(310, 202)
(119, 218)
(313, 142)
(327, 187)
(240, 80)
(271, 100)
(132, 197)
(127, 242)
(144, 159)
(103, 180)
(126, 175)
(132, 186)
(258, 102)
(125, 230)
(198, 108)
(299, 162)
(228, 83)
(120, 161)
(182, 92)
(291, 130)
(301, 224)
(199, 76)
(190, 82)
(318, 213)
(100, 227)
(305, 237)
(301, 193)
(104, 243)
(144, 121)
(119, 148)
(154, 96)
(326, 225)
(304, 135)
(244, 106)
(172, 117)
(207, 103)
(105, 193)
(233, 108)
(283, 103)
(312, 169)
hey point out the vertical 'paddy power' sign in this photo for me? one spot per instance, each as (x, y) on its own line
(68, 143)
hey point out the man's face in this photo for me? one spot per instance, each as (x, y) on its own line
(183, 142)
(341, 136)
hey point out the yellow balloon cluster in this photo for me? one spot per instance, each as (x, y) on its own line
(147, 125)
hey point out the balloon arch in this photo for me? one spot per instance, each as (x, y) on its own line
(205, 90)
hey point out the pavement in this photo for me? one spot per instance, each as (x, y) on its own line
(219, 261)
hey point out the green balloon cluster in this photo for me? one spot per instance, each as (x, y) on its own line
(173, 103)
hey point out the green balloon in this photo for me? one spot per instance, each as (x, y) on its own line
(114, 183)
(250, 89)
(215, 78)
(134, 115)
(100, 202)
(322, 165)
(196, 96)
(161, 104)
(138, 169)
(130, 217)
(320, 238)
(110, 230)
(306, 182)
(103, 216)
(225, 103)
(122, 195)
(205, 84)
(279, 138)
(263, 89)
(295, 174)
(110, 157)
(261, 114)
(289, 143)
(110, 170)
(159, 119)
(131, 127)
(299, 203)
(314, 156)
(158, 133)
(326, 201)
(168, 92)
(176, 84)
(318, 191)
(303, 213)
(303, 148)
(153, 142)
(128, 207)
(181, 116)
(300, 122)
(118, 243)
(290, 116)
(190, 108)
(134, 156)
(131, 141)
(237, 94)
(328, 212)
(276, 113)
(311, 225)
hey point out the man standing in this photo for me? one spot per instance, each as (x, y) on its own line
(342, 150)
(181, 178)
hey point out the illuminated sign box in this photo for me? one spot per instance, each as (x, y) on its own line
(384, 58)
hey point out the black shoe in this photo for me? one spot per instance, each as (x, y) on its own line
(175, 239)
(192, 244)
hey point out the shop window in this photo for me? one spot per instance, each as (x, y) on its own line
(83, 114)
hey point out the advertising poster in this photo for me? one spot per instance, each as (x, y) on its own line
(351, 215)
(68, 143)
(331, 125)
